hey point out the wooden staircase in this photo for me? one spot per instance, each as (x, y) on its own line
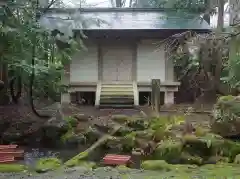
(116, 95)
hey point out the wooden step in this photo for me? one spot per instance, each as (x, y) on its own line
(117, 97)
(117, 86)
(117, 89)
(117, 93)
(110, 101)
(116, 106)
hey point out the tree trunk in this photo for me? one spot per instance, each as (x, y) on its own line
(4, 97)
(220, 25)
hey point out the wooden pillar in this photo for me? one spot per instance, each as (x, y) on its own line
(155, 95)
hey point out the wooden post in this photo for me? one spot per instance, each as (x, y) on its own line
(155, 96)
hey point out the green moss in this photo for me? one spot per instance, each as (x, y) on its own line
(138, 123)
(71, 138)
(128, 142)
(145, 134)
(200, 132)
(237, 159)
(123, 168)
(77, 160)
(67, 135)
(156, 165)
(82, 163)
(197, 145)
(186, 158)
(47, 164)
(9, 168)
(217, 160)
(166, 123)
(123, 131)
(72, 122)
(168, 150)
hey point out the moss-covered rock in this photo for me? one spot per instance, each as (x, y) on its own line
(138, 123)
(121, 118)
(226, 116)
(145, 134)
(156, 165)
(186, 158)
(12, 168)
(217, 160)
(128, 142)
(71, 139)
(168, 150)
(91, 135)
(47, 164)
(196, 145)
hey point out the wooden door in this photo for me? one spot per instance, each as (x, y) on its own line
(117, 63)
(125, 64)
(109, 66)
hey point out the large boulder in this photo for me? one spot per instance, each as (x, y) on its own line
(227, 116)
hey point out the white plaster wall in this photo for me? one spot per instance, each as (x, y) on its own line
(150, 62)
(84, 65)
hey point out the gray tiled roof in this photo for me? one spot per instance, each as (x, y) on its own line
(115, 20)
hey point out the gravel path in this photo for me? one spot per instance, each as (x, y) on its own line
(81, 173)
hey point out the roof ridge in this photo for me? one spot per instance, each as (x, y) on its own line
(120, 10)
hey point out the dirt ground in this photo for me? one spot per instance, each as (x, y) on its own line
(18, 113)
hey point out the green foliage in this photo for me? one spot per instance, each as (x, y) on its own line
(22, 39)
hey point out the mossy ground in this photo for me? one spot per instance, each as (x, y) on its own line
(12, 168)
(47, 164)
(179, 171)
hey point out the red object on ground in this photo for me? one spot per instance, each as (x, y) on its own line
(8, 147)
(6, 159)
(8, 153)
(16, 153)
(112, 159)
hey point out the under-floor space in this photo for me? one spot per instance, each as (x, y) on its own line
(145, 98)
(83, 98)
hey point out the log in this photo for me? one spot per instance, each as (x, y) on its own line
(83, 155)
